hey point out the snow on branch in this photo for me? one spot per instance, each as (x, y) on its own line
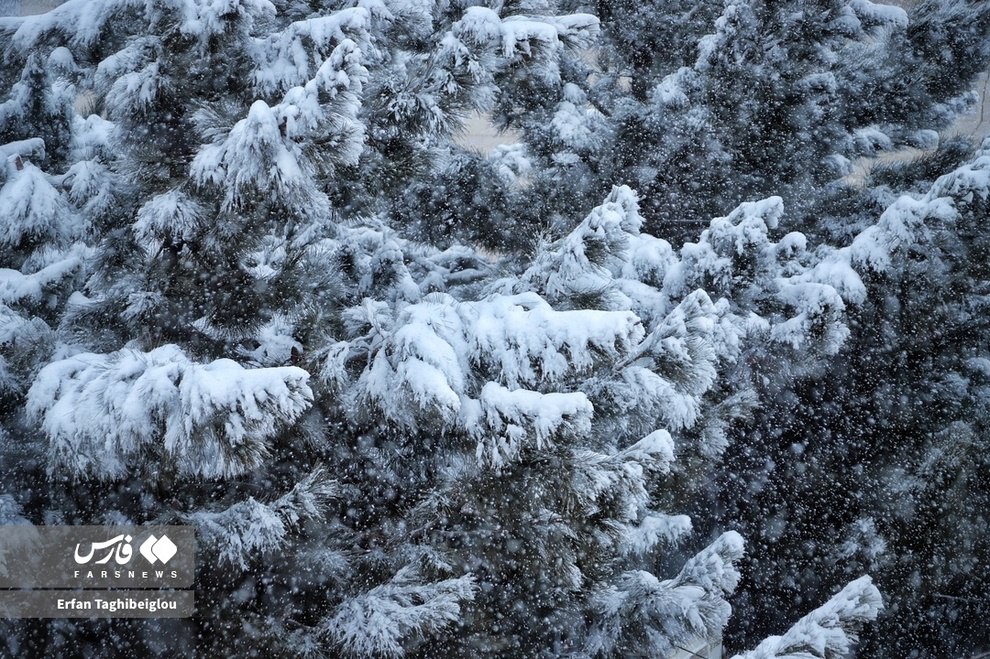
(969, 182)
(579, 264)
(254, 160)
(622, 482)
(83, 19)
(537, 41)
(732, 253)
(504, 420)
(32, 210)
(251, 528)
(329, 102)
(213, 17)
(382, 621)
(819, 313)
(879, 14)
(19, 288)
(428, 364)
(22, 340)
(800, 297)
(528, 342)
(287, 59)
(665, 377)
(33, 147)
(828, 632)
(105, 414)
(132, 77)
(522, 34)
(908, 223)
(421, 365)
(264, 156)
(641, 615)
(173, 215)
(86, 21)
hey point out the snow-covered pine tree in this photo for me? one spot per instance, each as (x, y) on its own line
(898, 421)
(36, 138)
(830, 631)
(42, 260)
(42, 253)
(39, 105)
(538, 398)
(142, 407)
(860, 70)
(479, 451)
(473, 379)
(431, 66)
(173, 397)
(760, 99)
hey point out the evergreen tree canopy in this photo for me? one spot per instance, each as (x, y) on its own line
(251, 281)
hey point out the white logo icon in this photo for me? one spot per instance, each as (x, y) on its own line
(158, 549)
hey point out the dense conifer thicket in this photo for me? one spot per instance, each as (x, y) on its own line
(659, 374)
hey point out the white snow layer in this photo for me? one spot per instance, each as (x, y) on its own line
(102, 412)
